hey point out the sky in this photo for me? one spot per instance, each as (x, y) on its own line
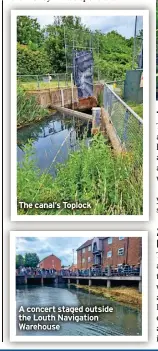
(124, 25)
(61, 247)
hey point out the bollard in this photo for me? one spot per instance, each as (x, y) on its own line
(109, 271)
(96, 115)
(96, 119)
(108, 283)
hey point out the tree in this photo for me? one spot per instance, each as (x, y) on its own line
(19, 261)
(31, 260)
(32, 61)
(29, 31)
(55, 39)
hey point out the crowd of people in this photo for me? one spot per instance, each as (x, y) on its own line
(120, 270)
(35, 271)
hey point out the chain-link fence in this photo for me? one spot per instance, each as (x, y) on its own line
(128, 125)
(44, 81)
(117, 86)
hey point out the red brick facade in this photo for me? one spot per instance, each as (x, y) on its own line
(113, 251)
(85, 255)
(50, 262)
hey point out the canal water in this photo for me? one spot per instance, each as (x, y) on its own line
(53, 139)
(123, 321)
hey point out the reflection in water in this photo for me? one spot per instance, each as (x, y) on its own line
(48, 137)
(123, 321)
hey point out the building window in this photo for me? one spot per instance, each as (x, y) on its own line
(109, 254)
(89, 259)
(109, 241)
(121, 251)
(83, 250)
(94, 247)
(83, 260)
(121, 237)
(89, 248)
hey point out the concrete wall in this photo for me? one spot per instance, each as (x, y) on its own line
(20, 280)
(55, 97)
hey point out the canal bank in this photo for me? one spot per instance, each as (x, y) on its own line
(127, 296)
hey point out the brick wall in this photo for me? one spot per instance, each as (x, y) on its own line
(131, 255)
(82, 258)
(134, 250)
(51, 262)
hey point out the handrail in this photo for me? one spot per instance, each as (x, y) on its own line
(125, 105)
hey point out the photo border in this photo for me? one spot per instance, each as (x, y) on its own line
(90, 234)
(61, 218)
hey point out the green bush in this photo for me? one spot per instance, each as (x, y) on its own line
(27, 108)
(32, 61)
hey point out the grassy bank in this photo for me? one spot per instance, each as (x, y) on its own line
(28, 110)
(42, 85)
(111, 184)
(137, 108)
(127, 296)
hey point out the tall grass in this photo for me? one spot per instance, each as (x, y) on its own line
(111, 184)
(28, 109)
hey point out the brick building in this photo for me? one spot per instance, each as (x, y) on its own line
(50, 262)
(101, 252)
(85, 255)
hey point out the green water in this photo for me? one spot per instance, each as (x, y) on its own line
(123, 321)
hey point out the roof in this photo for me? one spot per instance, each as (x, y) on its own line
(74, 266)
(87, 243)
(49, 256)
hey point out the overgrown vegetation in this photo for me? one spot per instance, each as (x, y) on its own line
(111, 184)
(127, 296)
(28, 109)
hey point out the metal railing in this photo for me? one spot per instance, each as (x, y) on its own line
(122, 270)
(128, 125)
(44, 81)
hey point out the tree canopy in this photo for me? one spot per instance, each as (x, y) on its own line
(29, 260)
(42, 51)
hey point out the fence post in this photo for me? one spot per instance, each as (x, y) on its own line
(62, 97)
(140, 282)
(65, 79)
(126, 118)
(38, 86)
(72, 91)
(58, 82)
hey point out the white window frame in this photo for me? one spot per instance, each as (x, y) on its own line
(83, 250)
(109, 243)
(89, 259)
(89, 248)
(83, 260)
(121, 237)
(118, 251)
(109, 256)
